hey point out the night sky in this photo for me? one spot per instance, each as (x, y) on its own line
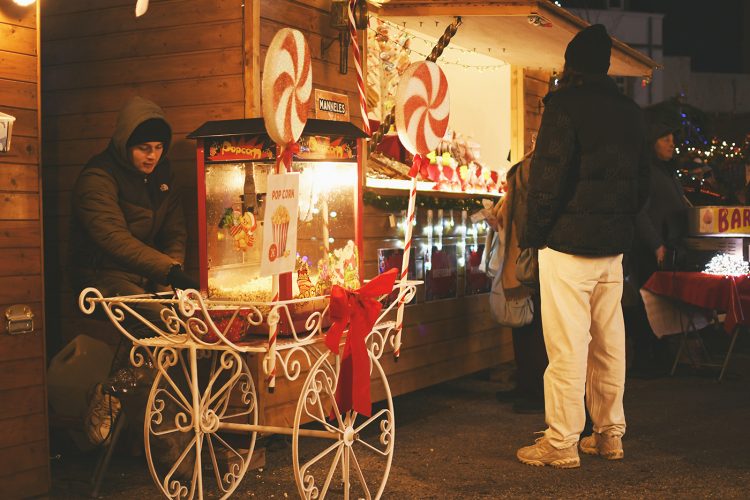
(708, 30)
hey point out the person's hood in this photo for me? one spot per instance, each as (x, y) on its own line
(136, 111)
(659, 124)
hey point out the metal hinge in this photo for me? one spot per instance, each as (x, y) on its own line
(20, 319)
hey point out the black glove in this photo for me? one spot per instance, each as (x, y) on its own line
(179, 279)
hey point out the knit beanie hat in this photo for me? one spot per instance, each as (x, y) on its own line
(589, 51)
(152, 130)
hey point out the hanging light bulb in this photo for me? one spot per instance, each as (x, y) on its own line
(23, 3)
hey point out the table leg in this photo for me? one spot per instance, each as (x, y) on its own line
(729, 352)
(683, 342)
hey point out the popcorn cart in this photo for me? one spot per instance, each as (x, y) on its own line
(203, 397)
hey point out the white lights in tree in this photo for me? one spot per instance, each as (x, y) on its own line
(725, 264)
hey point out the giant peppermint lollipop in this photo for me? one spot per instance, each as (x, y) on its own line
(422, 112)
(286, 86)
(422, 107)
(287, 94)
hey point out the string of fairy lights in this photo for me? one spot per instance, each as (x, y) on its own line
(408, 36)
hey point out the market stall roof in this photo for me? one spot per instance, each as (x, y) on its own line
(527, 33)
(252, 126)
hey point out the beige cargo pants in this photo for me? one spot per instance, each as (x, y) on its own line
(584, 334)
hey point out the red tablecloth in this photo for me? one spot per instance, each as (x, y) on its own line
(729, 294)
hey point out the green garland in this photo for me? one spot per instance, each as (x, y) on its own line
(472, 202)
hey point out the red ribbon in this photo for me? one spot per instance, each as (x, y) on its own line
(418, 163)
(357, 309)
(286, 155)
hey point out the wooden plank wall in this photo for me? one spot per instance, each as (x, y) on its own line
(184, 55)
(187, 56)
(24, 462)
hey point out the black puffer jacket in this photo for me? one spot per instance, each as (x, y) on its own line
(589, 175)
(126, 224)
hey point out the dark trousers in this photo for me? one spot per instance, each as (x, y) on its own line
(648, 349)
(531, 355)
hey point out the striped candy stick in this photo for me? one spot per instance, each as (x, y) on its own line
(408, 230)
(358, 67)
(273, 332)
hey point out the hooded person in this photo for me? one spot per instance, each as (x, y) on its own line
(129, 230)
(128, 238)
(588, 179)
(662, 225)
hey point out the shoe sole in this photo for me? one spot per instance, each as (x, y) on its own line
(612, 455)
(568, 463)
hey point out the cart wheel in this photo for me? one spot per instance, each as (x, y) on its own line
(342, 454)
(189, 459)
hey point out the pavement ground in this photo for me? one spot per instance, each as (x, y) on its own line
(687, 438)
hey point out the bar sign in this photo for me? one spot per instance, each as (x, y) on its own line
(331, 106)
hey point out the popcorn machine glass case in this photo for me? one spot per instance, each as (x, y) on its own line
(234, 158)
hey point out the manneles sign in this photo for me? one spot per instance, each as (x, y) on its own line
(280, 225)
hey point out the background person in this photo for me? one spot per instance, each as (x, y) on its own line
(528, 340)
(661, 228)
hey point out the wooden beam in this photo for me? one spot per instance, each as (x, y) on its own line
(453, 8)
(251, 58)
(517, 114)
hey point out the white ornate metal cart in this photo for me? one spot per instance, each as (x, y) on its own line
(203, 395)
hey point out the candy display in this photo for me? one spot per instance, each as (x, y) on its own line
(455, 166)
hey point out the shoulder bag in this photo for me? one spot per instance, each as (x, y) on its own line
(508, 312)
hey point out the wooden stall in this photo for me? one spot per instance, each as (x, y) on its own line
(201, 60)
(453, 337)
(24, 456)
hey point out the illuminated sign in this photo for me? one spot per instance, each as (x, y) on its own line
(724, 220)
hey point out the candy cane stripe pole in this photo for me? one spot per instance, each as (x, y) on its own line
(273, 332)
(408, 230)
(358, 67)
(422, 112)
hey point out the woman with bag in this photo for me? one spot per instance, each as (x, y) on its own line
(528, 340)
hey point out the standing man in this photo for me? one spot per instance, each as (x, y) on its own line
(589, 178)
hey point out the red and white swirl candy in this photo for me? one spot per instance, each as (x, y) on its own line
(286, 86)
(422, 107)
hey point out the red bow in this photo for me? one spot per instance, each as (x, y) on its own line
(359, 310)
(418, 163)
(286, 155)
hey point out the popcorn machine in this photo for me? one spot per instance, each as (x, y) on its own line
(234, 159)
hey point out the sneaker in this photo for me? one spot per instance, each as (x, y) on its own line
(604, 445)
(543, 453)
(102, 412)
